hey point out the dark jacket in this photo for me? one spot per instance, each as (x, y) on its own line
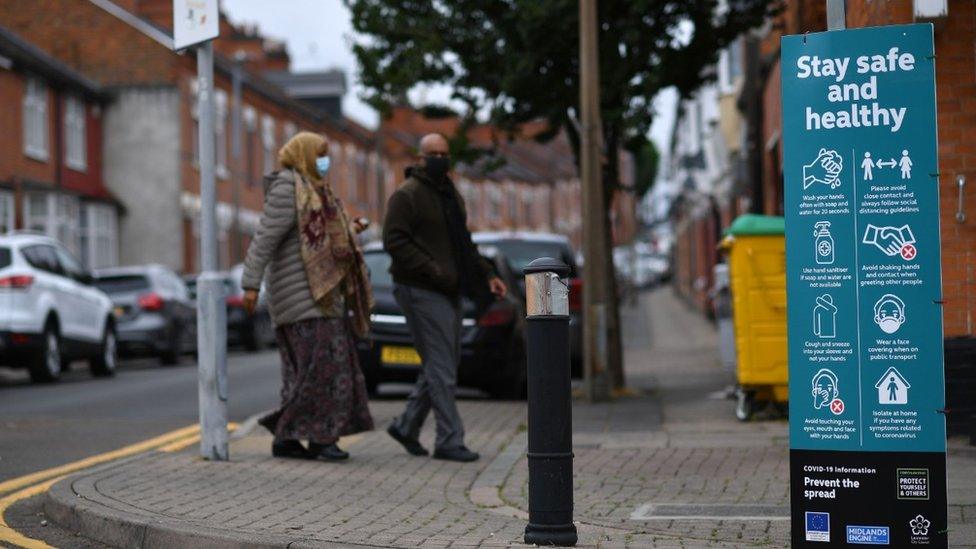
(415, 234)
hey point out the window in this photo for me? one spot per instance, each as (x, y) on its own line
(6, 211)
(68, 222)
(58, 216)
(268, 142)
(220, 134)
(38, 213)
(75, 153)
(42, 257)
(35, 119)
(100, 249)
(71, 266)
(290, 130)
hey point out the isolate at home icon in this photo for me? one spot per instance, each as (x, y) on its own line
(823, 243)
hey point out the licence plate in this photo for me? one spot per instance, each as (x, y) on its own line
(400, 355)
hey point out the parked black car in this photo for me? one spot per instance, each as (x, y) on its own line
(492, 346)
(521, 248)
(253, 332)
(154, 314)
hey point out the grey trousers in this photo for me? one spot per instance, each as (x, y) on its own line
(435, 324)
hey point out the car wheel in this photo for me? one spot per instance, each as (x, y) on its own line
(47, 364)
(104, 364)
(171, 355)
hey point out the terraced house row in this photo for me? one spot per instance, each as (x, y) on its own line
(101, 130)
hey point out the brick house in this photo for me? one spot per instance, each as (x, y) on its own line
(151, 125)
(51, 178)
(955, 48)
(536, 188)
(762, 169)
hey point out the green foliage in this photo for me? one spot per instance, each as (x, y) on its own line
(646, 158)
(518, 60)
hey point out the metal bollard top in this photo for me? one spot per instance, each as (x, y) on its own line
(547, 264)
(546, 294)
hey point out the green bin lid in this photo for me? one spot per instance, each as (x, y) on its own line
(757, 225)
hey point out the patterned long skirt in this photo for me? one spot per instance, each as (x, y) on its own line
(323, 392)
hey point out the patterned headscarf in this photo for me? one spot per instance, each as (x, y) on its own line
(331, 256)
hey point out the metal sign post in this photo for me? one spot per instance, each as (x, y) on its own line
(195, 22)
(863, 268)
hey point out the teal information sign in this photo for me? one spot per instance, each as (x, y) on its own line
(864, 287)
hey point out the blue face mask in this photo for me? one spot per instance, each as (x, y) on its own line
(322, 164)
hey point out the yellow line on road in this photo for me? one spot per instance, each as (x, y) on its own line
(8, 534)
(181, 444)
(27, 480)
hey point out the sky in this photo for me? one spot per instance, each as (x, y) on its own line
(318, 34)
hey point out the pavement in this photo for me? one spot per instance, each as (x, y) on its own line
(666, 467)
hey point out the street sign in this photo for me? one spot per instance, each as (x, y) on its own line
(867, 437)
(194, 21)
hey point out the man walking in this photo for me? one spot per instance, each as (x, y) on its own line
(434, 264)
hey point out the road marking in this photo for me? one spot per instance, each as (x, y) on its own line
(183, 443)
(27, 480)
(8, 534)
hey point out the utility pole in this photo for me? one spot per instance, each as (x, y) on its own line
(836, 15)
(195, 24)
(237, 76)
(595, 295)
(211, 309)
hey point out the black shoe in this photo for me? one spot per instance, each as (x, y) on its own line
(289, 449)
(328, 452)
(461, 453)
(411, 445)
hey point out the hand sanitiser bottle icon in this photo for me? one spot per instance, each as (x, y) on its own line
(823, 243)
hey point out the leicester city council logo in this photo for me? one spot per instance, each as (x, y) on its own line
(920, 526)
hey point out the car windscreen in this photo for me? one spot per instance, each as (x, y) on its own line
(122, 283)
(522, 252)
(379, 269)
(5, 258)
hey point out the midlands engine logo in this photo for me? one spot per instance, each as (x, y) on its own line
(920, 530)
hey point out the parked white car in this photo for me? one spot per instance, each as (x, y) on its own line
(50, 313)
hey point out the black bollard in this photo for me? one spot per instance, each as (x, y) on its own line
(550, 452)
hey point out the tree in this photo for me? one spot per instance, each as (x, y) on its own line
(516, 61)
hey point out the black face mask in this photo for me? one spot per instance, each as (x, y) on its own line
(437, 166)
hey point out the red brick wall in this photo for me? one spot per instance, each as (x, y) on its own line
(88, 182)
(90, 40)
(955, 48)
(13, 161)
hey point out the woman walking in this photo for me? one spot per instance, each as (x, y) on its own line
(316, 277)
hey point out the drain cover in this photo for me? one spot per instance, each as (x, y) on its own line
(711, 511)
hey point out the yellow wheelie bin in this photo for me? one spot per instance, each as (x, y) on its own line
(756, 247)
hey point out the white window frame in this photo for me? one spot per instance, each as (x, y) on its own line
(75, 138)
(268, 142)
(6, 211)
(101, 235)
(46, 217)
(290, 130)
(35, 119)
(220, 135)
(67, 225)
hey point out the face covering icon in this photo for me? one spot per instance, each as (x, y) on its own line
(889, 313)
(824, 388)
